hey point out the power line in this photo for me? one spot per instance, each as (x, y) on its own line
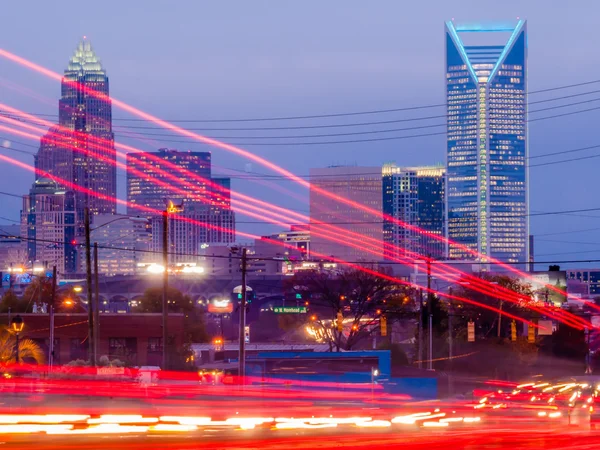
(342, 125)
(258, 258)
(320, 116)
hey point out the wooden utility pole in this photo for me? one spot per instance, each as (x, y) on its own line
(88, 279)
(242, 358)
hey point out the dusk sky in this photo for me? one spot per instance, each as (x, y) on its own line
(248, 59)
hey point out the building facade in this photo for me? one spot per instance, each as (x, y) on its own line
(80, 149)
(166, 166)
(206, 216)
(123, 243)
(48, 220)
(362, 185)
(487, 143)
(415, 196)
(13, 248)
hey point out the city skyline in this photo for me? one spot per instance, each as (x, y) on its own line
(543, 227)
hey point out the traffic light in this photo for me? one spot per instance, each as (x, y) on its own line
(513, 331)
(471, 331)
(530, 334)
(340, 321)
(383, 325)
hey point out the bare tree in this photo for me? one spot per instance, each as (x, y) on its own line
(347, 307)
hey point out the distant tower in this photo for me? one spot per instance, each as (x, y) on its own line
(81, 117)
(487, 179)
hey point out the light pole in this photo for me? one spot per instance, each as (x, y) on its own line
(93, 301)
(17, 326)
(374, 375)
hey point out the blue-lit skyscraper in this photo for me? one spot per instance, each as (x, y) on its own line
(487, 181)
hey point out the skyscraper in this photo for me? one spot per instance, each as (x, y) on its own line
(113, 234)
(487, 180)
(414, 195)
(81, 148)
(144, 191)
(359, 184)
(48, 220)
(206, 201)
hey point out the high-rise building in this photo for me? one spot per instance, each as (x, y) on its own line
(13, 248)
(415, 196)
(144, 191)
(48, 221)
(206, 201)
(358, 184)
(487, 180)
(123, 243)
(81, 148)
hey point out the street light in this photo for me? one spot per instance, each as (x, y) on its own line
(17, 326)
(374, 375)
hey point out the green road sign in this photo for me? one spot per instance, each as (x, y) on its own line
(289, 309)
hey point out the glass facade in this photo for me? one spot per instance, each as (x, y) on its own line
(82, 114)
(205, 199)
(414, 195)
(48, 216)
(487, 182)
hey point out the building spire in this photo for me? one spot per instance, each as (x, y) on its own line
(84, 58)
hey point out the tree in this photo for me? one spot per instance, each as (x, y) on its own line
(360, 297)
(11, 302)
(487, 319)
(151, 301)
(29, 351)
(32, 293)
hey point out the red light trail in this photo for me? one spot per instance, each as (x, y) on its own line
(268, 164)
(334, 237)
(355, 266)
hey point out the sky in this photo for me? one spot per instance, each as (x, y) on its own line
(239, 59)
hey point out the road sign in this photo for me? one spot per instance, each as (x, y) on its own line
(513, 331)
(471, 332)
(247, 334)
(290, 309)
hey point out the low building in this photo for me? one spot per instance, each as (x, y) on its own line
(135, 339)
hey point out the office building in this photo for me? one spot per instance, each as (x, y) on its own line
(206, 201)
(81, 148)
(362, 185)
(13, 248)
(487, 142)
(588, 278)
(48, 222)
(167, 166)
(123, 243)
(414, 196)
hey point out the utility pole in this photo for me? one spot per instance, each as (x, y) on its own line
(430, 311)
(500, 318)
(165, 302)
(96, 304)
(88, 278)
(420, 342)
(51, 313)
(242, 358)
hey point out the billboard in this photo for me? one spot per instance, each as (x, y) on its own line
(220, 306)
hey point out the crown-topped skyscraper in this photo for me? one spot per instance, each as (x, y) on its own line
(81, 148)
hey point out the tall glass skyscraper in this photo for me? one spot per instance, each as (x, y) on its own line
(487, 179)
(414, 195)
(80, 115)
